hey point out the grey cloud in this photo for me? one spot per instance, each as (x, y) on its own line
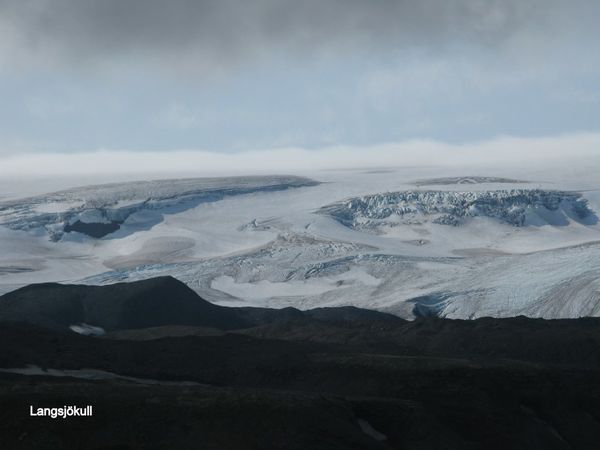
(225, 32)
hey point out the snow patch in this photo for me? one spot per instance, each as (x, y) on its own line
(87, 330)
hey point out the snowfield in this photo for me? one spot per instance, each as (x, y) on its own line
(497, 241)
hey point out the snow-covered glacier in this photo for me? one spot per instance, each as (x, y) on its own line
(517, 207)
(467, 180)
(477, 245)
(101, 210)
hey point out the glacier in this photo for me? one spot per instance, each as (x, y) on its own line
(485, 245)
(101, 210)
(467, 180)
(517, 207)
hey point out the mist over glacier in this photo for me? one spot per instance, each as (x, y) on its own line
(458, 238)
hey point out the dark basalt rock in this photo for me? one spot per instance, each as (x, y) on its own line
(95, 230)
(148, 303)
(330, 378)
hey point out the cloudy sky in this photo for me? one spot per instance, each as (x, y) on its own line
(78, 76)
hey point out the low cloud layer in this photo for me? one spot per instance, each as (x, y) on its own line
(526, 154)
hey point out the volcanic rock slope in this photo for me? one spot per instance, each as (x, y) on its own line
(239, 378)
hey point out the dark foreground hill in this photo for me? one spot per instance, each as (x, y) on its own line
(174, 371)
(142, 304)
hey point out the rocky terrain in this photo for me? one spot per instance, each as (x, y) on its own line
(333, 378)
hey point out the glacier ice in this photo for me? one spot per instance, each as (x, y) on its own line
(457, 251)
(512, 206)
(101, 210)
(467, 180)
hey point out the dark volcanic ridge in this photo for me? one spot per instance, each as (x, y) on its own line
(173, 371)
(164, 307)
(156, 302)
